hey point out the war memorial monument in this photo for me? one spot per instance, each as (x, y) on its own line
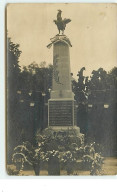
(62, 112)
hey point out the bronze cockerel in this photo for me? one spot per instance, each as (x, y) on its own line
(61, 24)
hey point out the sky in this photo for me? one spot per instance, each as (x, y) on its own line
(92, 32)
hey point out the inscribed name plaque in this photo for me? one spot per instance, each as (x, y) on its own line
(61, 113)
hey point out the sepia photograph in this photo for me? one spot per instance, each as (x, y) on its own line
(61, 89)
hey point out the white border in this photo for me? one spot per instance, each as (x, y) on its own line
(45, 185)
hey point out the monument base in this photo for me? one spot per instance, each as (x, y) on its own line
(65, 128)
(62, 119)
(71, 132)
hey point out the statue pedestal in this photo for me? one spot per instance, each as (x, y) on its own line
(62, 112)
(65, 132)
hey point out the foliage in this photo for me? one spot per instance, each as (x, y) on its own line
(51, 154)
(68, 161)
(87, 162)
(56, 160)
(91, 160)
(34, 156)
(67, 157)
(96, 167)
(79, 152)
(12, 171)
(97, 122)
(13, 75)
(27, 93)
(26, 153)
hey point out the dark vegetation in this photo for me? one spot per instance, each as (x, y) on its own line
(28, 91)
(47, 155)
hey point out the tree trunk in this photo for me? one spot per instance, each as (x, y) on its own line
(36, 168)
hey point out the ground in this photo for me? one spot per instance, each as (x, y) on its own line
(109, 168)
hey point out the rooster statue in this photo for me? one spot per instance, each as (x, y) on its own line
(61, 24)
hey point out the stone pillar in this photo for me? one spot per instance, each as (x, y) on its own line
(61, 86)
(61, 105)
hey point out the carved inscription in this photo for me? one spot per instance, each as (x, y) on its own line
(60, 113)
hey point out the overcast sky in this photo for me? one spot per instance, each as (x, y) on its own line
(93, 33)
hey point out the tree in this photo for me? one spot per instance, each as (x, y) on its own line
(27, 93)
(102, 120)
(79, 87)
(80, 90)
(26, 153)
(95, 120)
(13, 74)
(35, 82)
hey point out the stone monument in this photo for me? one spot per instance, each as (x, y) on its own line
(62, 113)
